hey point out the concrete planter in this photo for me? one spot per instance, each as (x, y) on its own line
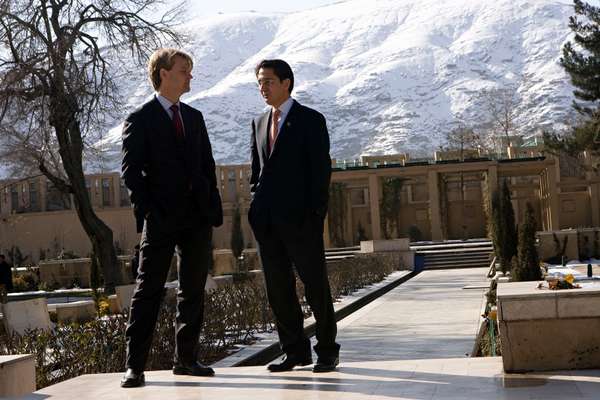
(396, 251)
(375, 246)
(77, 311)
(17, 375)
(64, 273)
(544, 330)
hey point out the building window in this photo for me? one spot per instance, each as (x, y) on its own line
(5, 194)
(125, 202)
(56, 200)
(34, 194)
(231, 188)
(420, 192)
(14, 198)
(358, 197)
(88, 186)
(106, 192)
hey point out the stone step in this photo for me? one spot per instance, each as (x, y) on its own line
(457, 265)
(336, 249)
(459, 261)
(482, 262)
(451, 245)
(455, 256)
(457, 250)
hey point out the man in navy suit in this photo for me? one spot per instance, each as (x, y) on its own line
(291, 169)
(169, 171)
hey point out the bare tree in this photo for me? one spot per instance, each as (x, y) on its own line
(461, 139)
(57, 89)
(501, 105)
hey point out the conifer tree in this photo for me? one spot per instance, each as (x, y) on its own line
(496, 230)
(516, 273)
(503, 231)
(237, 237)
(528, 261)
(509, 230)
(581, 60)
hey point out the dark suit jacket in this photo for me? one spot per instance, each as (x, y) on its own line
(293, 183)
(162, 174)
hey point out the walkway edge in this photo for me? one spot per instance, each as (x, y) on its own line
(272, 351)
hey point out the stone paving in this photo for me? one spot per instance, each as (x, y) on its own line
(410, 344)
(430, 316)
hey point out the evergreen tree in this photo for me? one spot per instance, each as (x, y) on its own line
(337, 213)
(237, 237)
(389, 206)
(361, 234)
(516, 272)
(528, 262)
(581, 60)
(496, 230)
(502, 230)
(509, 229)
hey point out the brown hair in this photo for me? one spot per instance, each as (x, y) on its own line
(163, 58)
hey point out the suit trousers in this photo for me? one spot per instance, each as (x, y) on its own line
(192, 244)
(281, 248)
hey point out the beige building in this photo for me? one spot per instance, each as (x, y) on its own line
(442, 198)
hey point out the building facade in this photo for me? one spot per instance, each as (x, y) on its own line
(447, 197)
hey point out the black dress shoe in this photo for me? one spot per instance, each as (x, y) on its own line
(326, 364)
(195, 369)
(133, 379)
(289, 363)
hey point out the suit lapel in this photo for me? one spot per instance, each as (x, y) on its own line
(162, 117)
(190, 148)
(288, 124)
(262, 132)
(188, 128)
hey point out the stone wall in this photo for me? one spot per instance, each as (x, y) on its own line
(587, 243)
(75, 272)
(548, 329)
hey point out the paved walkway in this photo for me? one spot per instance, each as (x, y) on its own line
(430, 316)
(409, 344)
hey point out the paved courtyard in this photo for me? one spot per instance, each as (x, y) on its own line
(411, 343)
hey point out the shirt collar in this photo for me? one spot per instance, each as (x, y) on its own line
(164, 102)
(284, 108)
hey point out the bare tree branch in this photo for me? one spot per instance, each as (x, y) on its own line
(57, 88)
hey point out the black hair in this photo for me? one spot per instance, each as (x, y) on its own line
(280, 68)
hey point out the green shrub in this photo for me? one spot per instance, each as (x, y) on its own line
(25, 281)
(414, 233)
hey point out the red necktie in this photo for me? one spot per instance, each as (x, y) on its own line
(177, 124)
(274, 128)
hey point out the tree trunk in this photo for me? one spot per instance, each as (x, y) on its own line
(70, 142)
(99, 233)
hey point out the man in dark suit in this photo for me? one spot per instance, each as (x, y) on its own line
(169, 171)
(291, 170)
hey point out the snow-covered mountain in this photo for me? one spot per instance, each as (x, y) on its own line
(390, 75)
